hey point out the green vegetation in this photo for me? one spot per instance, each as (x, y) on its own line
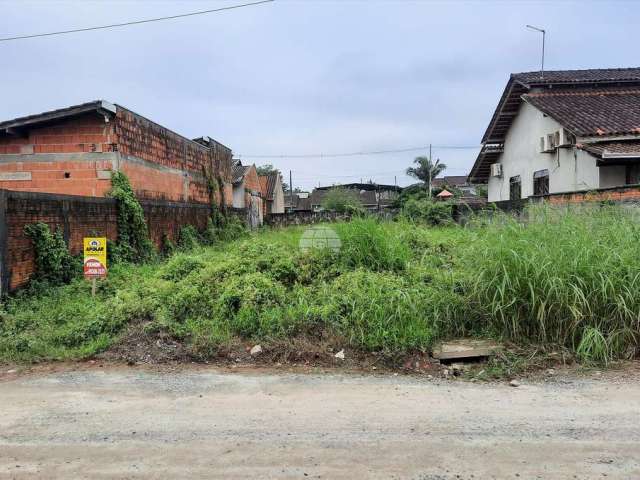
(565, 279)
(133, 235)
(342, 200)
(421, 208)
(54, 263)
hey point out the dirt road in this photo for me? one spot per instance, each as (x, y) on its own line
(133, 423)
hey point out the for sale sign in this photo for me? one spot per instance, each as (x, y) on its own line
(95, 257)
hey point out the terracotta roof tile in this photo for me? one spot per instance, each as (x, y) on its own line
(600, 111)
(613, 149)
(268, 184)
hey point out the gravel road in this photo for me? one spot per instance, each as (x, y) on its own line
(203, 423)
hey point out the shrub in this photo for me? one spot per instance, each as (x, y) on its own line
(368, 243)
(188, 238)
(179, 266)
(54, 263)
(342, 200)
(428, 211)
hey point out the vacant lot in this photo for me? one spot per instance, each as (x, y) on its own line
(201, 423)
(567, 280)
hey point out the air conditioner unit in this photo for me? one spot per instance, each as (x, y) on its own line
(496, 169)
(547, 143)
(565, 138)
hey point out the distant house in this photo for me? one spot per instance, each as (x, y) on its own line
(372, 196)
(562, 131)
(460, 182)
(272, 193)
(297, 202)
(246, 192)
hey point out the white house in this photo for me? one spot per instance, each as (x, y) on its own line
(562, 131)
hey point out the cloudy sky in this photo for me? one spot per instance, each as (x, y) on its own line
(307, 76)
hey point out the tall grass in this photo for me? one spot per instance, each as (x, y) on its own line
(565, 276)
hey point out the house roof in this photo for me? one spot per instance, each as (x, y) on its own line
(573, 77)
(611, 151)
(451, 180)
(445, 194)
(363, 186)
(591, 112)
(100, 106)
(520, 84)
(268, 184)
(238, 172)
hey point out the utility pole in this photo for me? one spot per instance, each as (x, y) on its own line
(290, 192)
(430, 169)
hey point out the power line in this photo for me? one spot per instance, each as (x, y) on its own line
(354, 154)
(137, 22)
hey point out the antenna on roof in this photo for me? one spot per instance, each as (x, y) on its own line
(544, 33)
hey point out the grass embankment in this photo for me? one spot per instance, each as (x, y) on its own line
(561, 279)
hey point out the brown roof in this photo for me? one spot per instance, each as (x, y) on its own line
(96, 105)
(238, 172)
(599, 111)
(521, 83)
(573, 77)
(612, 150)
(450, 180)
(268, 184)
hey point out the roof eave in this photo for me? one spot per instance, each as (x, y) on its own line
(99, 106)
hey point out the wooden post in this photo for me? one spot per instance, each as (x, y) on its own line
(93, 287)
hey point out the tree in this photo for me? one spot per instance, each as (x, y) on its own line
(426, 170)
(342, 200)
(266, 169)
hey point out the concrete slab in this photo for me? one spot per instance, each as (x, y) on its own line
(465, 348)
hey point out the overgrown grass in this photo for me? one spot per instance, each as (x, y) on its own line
(568, 279)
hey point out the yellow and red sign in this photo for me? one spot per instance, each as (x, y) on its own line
(95, 257)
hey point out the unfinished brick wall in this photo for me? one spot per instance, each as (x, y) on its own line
(79, 144)
(75, 155)
(77, 217)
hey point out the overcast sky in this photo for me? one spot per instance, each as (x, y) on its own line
(307, 77)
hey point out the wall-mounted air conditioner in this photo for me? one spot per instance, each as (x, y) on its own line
(496, 170)
(565, 138)
(547, 143)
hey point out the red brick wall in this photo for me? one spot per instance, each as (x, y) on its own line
(619, 194)
(149, 141)
(177, 158)
(78, 217)
(82, 134)
(66, 177)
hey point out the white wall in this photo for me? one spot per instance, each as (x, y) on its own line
(238, 195)
(277, 205)
(570, 169)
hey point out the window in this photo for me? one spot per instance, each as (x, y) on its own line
(515, 190)
(632, 174)
(541, 182)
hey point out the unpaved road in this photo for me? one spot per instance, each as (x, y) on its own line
(134, 423)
